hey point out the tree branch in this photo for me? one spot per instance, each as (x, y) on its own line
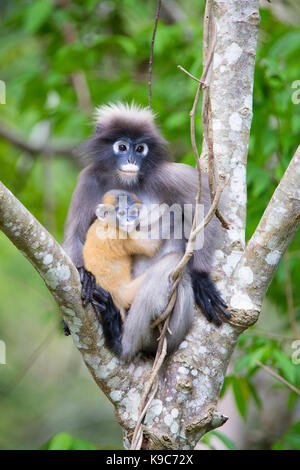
(21, 143)
(278, 377)
(230, 92)
(152, 50)
(268, 244)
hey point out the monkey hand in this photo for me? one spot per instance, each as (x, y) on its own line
(106, 311)
(88, 283)
(110, 318)
(208, 297)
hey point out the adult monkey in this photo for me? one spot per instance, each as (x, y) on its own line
(128, 152)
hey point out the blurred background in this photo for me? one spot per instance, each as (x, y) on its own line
(60, 58)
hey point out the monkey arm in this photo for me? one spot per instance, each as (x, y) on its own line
(88, 193)
(106, 311)
(208, 297)
(126, 292)
(142, 246)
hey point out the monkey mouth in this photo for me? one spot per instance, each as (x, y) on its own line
(129, 173)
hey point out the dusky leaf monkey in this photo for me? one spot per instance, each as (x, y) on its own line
(127, 152)
(110, 243)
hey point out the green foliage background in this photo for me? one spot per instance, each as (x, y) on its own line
(44, 388)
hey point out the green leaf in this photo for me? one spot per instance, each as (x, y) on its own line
(249, 360)
(206, 439)
(128, 45)
(61, 441)
(255, 395)
(241, 394)
(226, 441)
(64, 441)
(287, 45)
(226, 383)
(290, 440)
(285, 364)
(37, 14)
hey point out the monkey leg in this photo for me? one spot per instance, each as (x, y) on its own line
(150, 302)
(208, 297)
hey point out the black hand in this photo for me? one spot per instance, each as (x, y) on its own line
(88, 282)
(106, 311)
(208, 298)
(110, 318)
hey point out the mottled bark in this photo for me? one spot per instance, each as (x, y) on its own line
(278, 225)
(184, 407)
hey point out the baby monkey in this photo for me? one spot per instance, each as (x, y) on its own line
(110, 243)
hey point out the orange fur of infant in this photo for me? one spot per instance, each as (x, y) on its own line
(109, 260)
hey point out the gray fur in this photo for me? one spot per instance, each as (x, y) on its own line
(150, 303)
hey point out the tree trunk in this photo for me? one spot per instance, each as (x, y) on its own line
(184, 407)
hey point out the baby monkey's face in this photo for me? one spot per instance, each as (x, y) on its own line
(119, 209)
(127, 217)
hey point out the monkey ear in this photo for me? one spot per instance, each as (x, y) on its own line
(101, 211)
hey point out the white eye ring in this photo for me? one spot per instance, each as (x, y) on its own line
(133, 212)
(144, 151)
(118, 144)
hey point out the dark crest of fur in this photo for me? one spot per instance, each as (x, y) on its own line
(118, 122)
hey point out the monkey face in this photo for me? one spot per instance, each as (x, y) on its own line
(129, 155)
(126, 146)
(119, 209)
(127, 218)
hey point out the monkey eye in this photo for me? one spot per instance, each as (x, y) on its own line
(120, 146)
(122, 212)
(142, 149)
(134, 212)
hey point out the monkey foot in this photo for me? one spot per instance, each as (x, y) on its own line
(208, 298)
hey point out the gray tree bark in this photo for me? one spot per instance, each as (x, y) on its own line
(184, 407)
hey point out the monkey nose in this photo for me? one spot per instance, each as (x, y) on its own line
(131, 160)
